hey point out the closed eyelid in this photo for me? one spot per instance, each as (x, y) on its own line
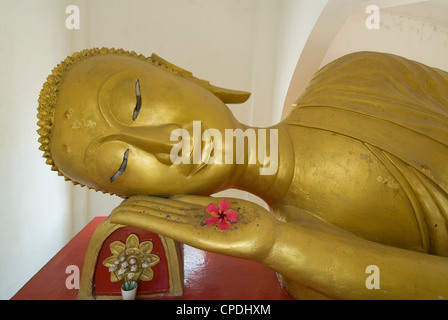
(138, 104)
(122, 168)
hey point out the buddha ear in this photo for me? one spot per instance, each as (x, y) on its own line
(225, 95)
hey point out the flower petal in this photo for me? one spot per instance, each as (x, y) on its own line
(154, 260)
(146, 247)
(117, 248)
(109, 261)
(147, 275)
(224, 205)
(212, 209)
(132, 241)
(231, 215)
(211, 221)
(224, 224)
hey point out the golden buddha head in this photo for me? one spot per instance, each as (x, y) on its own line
(106, 117)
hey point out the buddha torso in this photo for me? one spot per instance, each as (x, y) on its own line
(370, 135)
(339, 180)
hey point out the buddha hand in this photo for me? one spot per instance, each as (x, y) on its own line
(183, 218)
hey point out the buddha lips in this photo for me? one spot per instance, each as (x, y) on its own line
(221, 215)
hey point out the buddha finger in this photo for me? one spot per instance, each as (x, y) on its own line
(144, 211)
(160, 202)
(191, 200)
(160, 225)
(157, 210)
(192, 234)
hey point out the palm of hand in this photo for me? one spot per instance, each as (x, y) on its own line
(182, 218)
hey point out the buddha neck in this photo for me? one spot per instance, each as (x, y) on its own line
(269, 181)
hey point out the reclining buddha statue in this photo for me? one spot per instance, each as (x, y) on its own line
(361, 179)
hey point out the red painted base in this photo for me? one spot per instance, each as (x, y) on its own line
(207, 276)
(160, 282)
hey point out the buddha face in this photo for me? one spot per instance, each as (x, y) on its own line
(112, 126)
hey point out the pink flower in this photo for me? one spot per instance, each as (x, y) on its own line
(221, 215)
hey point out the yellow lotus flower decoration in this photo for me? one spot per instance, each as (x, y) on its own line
(132, 260)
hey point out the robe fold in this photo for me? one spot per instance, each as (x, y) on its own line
(399, 109)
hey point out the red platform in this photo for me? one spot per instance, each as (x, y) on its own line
(207, 276)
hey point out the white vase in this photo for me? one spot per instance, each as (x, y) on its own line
(129, 290)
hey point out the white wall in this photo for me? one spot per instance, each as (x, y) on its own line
(416, 36)
(297, 21)
(35, 203)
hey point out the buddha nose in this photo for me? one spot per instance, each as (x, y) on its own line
(154, 139)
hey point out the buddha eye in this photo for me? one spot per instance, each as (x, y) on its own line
(122, 167)
(138, 104)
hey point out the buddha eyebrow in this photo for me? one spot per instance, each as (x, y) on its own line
(138, 105)
(122, 167)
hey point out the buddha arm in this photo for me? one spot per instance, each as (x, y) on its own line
(311, 255)
(334, 264)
